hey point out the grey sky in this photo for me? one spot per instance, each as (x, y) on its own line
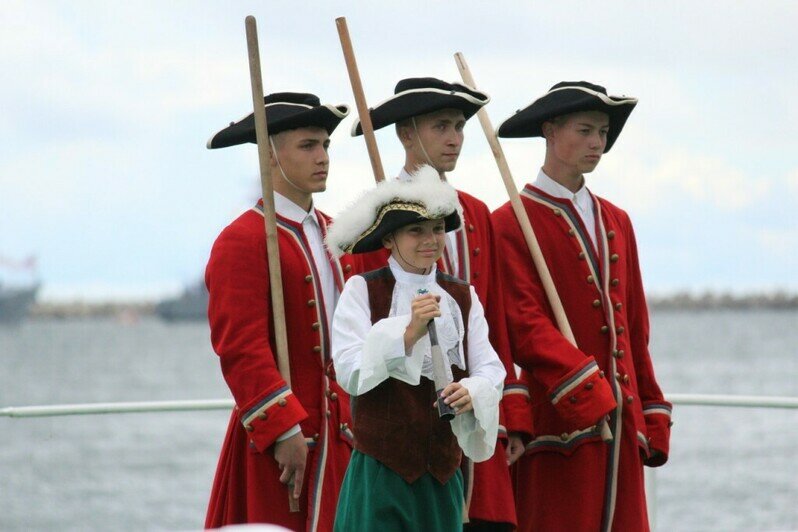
(106, 107)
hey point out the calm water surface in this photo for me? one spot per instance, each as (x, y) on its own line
(730, 469)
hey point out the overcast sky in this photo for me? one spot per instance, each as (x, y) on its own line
(106, 108)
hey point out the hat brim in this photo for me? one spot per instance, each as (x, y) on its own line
(395, 216)
(528, 122)
(415, 102)
(280, 117)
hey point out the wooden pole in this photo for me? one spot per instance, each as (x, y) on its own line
(269, 217)
(523, 220)
(518, 209)
(360, 99)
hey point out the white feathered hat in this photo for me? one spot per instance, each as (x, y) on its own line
(390, 205)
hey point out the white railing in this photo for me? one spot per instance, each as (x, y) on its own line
(116, 408)
(752, 401)
(737, 401)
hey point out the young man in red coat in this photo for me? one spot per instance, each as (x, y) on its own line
(430, 115)
(278, 435)
(569, 478)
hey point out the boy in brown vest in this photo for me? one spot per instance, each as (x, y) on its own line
(404, 472)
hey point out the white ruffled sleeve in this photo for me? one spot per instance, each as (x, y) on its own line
(476, 430)
(365, 355)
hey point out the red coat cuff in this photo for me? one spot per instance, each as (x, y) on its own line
(517, 410)
(658, 426)
(584, 396)
(272, 416)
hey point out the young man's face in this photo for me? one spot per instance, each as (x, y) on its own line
(577, 141)
(440, 133)
(302, 153)
(419, 245)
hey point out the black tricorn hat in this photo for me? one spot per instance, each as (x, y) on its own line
(396, 215)
(419, 96)
(565, 98)
(284, 111)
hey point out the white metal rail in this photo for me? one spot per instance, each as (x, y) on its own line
(749, 401)
(116, 408)
(739, 401)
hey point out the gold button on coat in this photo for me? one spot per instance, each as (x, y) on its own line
(620, 330)
(614, 257)
(571, 232)
(564, 436)
(589, 386)
(316, 348)
(308, 278)
(611, 235)
(348, 268)
(249, 428)
(615, 282)
(311, 302)
(630, 399)
(618, 306)
(282, 402)
(589, 279)
(604, 329)
(596, 303)
(315, 326)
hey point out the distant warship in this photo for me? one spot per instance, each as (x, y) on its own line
(15, 303)
(191, 305)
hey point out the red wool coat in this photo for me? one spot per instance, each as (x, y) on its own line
(569, 479)
(490, 496)
(246, 488)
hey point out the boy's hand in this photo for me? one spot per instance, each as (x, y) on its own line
(291, 456)
(457, 396)
(515, 447)
(423, 308)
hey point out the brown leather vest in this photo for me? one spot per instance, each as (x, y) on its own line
(396, 423)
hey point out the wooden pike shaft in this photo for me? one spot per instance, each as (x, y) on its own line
(269, 216)
(360, 99)
(518, 209)
(523, 220)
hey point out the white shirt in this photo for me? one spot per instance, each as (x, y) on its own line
(312, 229)
(451, 236)
(366, 355)
(581, 199)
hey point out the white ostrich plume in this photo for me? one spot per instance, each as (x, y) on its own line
(424, 187)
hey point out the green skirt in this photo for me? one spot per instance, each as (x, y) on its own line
(375, 498)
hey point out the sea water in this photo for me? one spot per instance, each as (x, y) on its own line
(730, 469)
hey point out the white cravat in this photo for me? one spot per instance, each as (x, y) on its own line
(365, 355)
(581, 199)
(451, 237)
